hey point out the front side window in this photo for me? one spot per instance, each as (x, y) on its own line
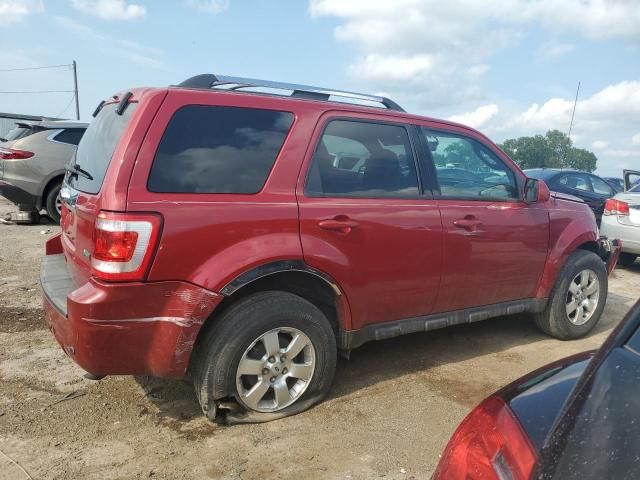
(466, 169)
(575, 181)
(363, 159)
(212, 149)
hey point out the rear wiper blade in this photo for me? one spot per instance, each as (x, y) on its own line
(76, 170)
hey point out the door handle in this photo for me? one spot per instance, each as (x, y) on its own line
(469, 223)
(338, 224)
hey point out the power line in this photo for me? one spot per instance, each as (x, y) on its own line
(33, 68)
(73, 97)
(39, 91)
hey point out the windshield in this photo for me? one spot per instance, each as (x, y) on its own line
(96, 148)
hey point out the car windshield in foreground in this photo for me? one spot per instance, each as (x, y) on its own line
(96, 148)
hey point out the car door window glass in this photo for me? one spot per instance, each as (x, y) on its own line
(575, 181)
(363, 159)
(467, 169)
(601, 187)
(72, 136)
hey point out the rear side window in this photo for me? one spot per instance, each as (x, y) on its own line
(71, 136)
(576, 181)
(212, 149)
(97, 146)
(363, 159)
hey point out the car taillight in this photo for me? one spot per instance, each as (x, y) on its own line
(123, 245)
(490, 445)
(13, 154)
(616, 207)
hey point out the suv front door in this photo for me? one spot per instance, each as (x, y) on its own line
(495, 244)
(366, 220)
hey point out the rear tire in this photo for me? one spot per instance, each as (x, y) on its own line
(577, 299)
(53, 203)
(245, 355)
(627, 259)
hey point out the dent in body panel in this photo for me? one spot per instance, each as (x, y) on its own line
(138, 328)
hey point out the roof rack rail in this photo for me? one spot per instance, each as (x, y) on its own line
(209, 80)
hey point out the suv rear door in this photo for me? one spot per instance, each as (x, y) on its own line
(105, 157)
(495, 244)
(366, 219)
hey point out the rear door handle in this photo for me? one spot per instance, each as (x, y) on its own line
(338, 224)
(469, 223)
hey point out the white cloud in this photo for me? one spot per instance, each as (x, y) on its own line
(111, 9)
(395, 67)
(209, 6)
(612, 113)
(13, 11)
(455, 40)
(477, 118)
(555, 50)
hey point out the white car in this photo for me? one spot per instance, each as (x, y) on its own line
(621, 219)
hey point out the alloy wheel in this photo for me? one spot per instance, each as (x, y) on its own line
(275, 370)
(582, 297)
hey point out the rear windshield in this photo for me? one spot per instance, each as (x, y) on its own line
(97, 146)
(17, 132)
(211, 149)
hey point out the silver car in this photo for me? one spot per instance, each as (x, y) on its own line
(621, 218)
(33, 157)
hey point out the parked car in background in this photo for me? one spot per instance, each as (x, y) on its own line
(622, 219)
(33, 157)
(575, 419)
(589, 187)
(616, 183)
(246, 238)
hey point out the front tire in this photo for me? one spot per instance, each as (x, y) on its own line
(274, 352)
(53, 203)
(577, 299)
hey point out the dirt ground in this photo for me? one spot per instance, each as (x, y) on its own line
(393, 407)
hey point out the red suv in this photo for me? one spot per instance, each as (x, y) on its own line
(243, 232)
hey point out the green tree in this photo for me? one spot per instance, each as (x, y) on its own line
(552, 150)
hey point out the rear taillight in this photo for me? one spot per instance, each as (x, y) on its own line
(490, 445)
(616, 207)
(13, 154)
(123, 245)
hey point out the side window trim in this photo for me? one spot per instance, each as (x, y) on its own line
(424, 192)
(437, 190)
(427, 165)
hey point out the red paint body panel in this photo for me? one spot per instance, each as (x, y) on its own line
(405, 258)
(131, 329)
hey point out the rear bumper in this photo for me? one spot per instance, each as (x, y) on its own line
(25, 200)
(124, 329)
(629, 234)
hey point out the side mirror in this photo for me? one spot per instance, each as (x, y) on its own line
(536, 191)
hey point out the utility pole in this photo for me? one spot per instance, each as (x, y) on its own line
(75, 88)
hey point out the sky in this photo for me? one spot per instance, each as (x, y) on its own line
(506, 67)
